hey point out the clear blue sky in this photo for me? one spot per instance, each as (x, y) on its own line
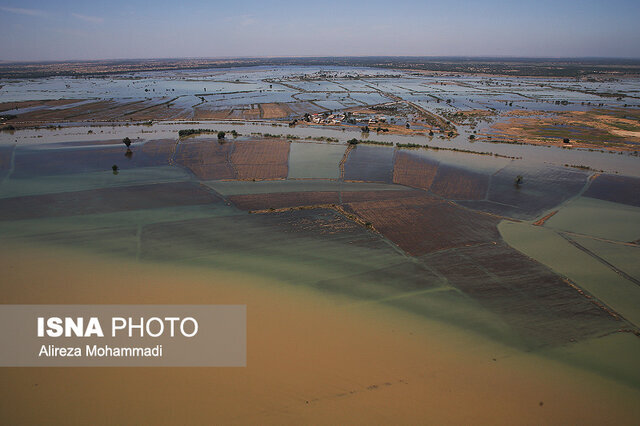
(71, 29)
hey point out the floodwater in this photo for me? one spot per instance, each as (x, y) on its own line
(401, 284)
(310, 360)
(155, 209)
(608, 162)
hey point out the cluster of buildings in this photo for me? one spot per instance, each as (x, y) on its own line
(352, 118)
(323, 118)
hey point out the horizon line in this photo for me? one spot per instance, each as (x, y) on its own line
(247, 57)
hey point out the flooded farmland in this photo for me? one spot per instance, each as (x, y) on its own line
(440, 242)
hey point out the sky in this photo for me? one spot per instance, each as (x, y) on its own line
(37, 30)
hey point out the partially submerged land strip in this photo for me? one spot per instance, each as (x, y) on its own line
(541, 221)
(351, 143)
(335, 207)
(599, 304)
(583, 167)
(467, 151)
(355, 141)
(344, 159)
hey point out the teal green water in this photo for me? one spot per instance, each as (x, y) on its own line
(615, 356)
(315, 160)
(549, 248)
(599, 218)
(622, 256)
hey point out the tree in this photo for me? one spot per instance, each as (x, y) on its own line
(221, 135)
(127, 142)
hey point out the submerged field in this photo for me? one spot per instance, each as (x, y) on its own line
(592, 112)
(483, 275)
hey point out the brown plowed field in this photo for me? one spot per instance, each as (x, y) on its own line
(414, 171)
(353, 196)
(275, 110)
(243, 160)
(207, 159)
(261, 171)
(8, 106)
(458, 184)
(88, 109)
(532, 299)
(262, 159)
(619, 189)
(161, 112)
(421, 225)
(202, 113)
(449, 182)
(157, 149)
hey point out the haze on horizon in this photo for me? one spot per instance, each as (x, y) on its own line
(37, 30)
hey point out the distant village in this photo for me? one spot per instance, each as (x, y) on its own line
(345, 117)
